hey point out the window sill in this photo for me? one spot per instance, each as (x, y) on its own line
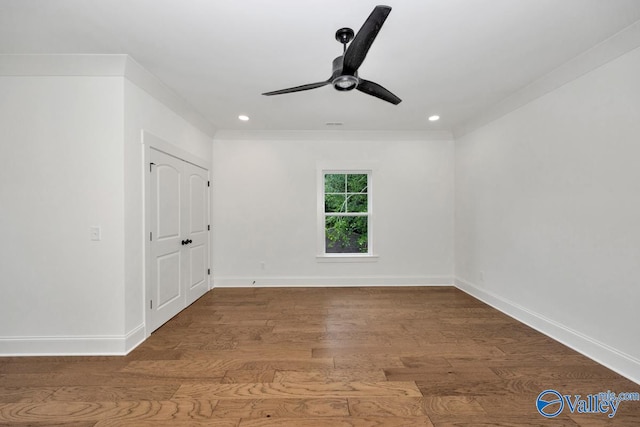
(347, 258)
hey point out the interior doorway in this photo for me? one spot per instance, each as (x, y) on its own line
(177, 205)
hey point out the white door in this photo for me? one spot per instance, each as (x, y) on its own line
(196, 264)
(179, 242)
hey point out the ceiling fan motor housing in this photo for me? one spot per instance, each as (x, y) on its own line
(342, 82)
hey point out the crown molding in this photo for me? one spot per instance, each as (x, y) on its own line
(606, 51)
(115, 65)
(142, 78)
(332, 135)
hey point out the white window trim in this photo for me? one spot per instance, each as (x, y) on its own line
(344, 168)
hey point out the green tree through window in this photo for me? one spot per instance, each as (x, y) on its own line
(346, 212)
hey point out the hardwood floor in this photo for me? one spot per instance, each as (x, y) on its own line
(393, 356)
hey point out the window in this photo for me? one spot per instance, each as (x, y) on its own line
(346, 219)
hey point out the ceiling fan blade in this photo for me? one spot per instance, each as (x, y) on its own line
(357, 50)
(374, 89)
(298, 88)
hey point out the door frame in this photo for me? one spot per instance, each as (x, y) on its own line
(152, 142)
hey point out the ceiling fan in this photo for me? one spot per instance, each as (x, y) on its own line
(345, 67)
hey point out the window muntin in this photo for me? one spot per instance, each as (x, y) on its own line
(346, 213)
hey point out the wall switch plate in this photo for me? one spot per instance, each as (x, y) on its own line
(95, 233)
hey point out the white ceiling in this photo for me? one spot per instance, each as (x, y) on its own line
(455, 58)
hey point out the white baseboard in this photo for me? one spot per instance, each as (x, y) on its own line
(315, 281)
(134, 338)
(612, 358)
(106, 345)
(617, 361)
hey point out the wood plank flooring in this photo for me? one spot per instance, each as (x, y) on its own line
(393, 356)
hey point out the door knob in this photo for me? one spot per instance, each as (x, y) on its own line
(184, 242)
(189, 241)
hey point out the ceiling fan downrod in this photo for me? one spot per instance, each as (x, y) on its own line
(344, 36)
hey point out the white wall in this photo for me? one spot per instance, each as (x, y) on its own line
(548, 208)
(61, 172)
(264, 208)
(142, 112)
(71, 157)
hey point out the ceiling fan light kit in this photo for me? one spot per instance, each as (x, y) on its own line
(344, 76)
(345, 83)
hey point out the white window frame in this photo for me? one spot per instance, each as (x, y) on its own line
(322, 255)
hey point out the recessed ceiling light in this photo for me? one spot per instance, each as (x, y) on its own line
(434, 118)
(243, 117)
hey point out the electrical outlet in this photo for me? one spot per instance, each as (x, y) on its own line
(263, 265)
(481, 277)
